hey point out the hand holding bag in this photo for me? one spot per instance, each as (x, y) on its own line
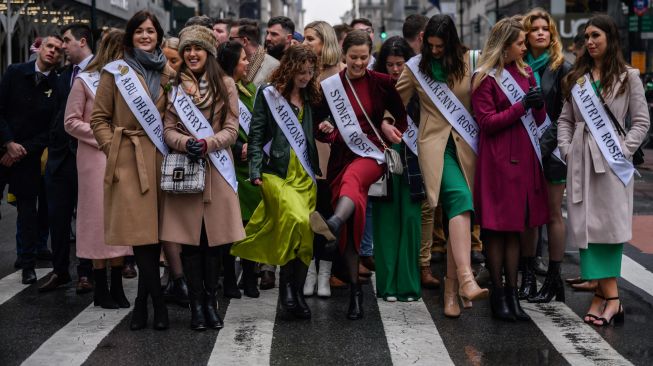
(180, 174)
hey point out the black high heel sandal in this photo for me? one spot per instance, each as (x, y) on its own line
(618, 317)
(590, 315)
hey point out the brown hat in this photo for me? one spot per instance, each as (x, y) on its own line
(197, 35)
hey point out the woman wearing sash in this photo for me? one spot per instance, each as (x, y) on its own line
(91, 163)
(233, 60)
(324, 42)
(350, 174)
(397, 223)
(446, 156)
(132, 178)
(600, 187)
(278, 232)
(509, 187)
(545, 58)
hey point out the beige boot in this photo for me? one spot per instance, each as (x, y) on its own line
(469, 289)
(451, 306)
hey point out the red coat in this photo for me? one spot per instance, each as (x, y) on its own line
(509, 186)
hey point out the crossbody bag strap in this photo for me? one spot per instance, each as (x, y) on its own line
(385, 147)
(616, 124)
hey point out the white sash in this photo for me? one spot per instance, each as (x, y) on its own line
(370, 64)
(599, 124)
(446, 102)
(346, 121)
(410, 135)
(244, 116)
(139, 102)
(515, 94)
(91, 79)
(200, 128)
(290, 126)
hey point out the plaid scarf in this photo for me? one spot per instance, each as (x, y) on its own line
(255, 64)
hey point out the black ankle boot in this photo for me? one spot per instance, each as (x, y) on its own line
(101, 295)
(139, 315)
(513, 304)
(528, 281)
(355, 310)
(161, 321)
(210, 307)
(552, 287)
(499, 306)
(117, 292)
(250, 288)
(286, 293)
(179, 291)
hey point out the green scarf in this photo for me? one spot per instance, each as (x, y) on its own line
(538, 64)
(437, 71)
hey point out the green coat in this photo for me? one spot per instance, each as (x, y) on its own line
(264, 128)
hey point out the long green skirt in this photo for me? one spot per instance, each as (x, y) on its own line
(601, 261)
(397, 241)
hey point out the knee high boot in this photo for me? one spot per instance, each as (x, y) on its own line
(194, 272)
(302, 310)
(149, 283)
(288, 298)
(213, 319)
(249, 278)
(230, 288)
(117, 292)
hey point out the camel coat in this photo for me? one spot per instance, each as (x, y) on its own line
(434, 132)
(600, 207)
(218, 206)
(133, 174)
(91, 165)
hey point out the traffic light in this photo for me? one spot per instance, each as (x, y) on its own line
(384, 34)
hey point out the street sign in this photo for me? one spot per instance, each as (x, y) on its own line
(633, 23)
(640, 7)
(646, 35)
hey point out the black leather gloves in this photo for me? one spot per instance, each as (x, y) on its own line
(533, 99)
(195, 149)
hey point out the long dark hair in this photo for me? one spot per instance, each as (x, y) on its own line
(229, 55)
(612, 66)
(214, 76)
(393, 46)
(291, 63)
(133, 23)
(453, 61)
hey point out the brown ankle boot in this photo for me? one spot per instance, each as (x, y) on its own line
(427, 278)
(451, 306)
(469, 289)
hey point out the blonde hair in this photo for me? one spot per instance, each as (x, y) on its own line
(110, 49)
(503, 34)
(331, 53)
(555, 47)
(171, 42)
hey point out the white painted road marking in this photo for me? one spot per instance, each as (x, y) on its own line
(636, 274)
(73, 343)
(12, 285)
(246, 338)
(412, 336)
(576, 341)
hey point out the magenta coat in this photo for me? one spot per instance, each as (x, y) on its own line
(509, 186)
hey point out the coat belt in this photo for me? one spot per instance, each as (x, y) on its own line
(134, 137)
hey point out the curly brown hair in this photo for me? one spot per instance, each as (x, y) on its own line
(290, 65)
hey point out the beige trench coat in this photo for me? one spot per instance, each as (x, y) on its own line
(600, 207)
(218, 206)
(434, 132)
(132, 177)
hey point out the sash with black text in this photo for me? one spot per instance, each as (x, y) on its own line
(91, 79)
(139, 102)
(200, 128)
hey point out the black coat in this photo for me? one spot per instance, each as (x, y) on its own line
(61, 145)
(551, 84)
(26, 110)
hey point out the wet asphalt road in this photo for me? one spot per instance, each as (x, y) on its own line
(31, 324)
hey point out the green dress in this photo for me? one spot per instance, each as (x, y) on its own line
(249, 195)
(397, 242)
(279, 230)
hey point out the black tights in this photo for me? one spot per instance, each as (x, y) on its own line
(147, 260)
(502, 256)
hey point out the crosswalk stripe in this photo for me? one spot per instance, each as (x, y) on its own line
(11, 285)
(412, 336)
(73, 343)
(576, 341)
(246, 338)
(636, 274)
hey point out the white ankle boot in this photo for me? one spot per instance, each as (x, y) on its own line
(323, 286)
(311, 278)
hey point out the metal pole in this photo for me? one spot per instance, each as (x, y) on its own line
(9, 32)
(461, 21)
(94, 31)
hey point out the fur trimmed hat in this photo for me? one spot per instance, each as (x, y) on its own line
(197, 35)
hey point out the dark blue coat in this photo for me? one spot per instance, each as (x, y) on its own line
(61, 145)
